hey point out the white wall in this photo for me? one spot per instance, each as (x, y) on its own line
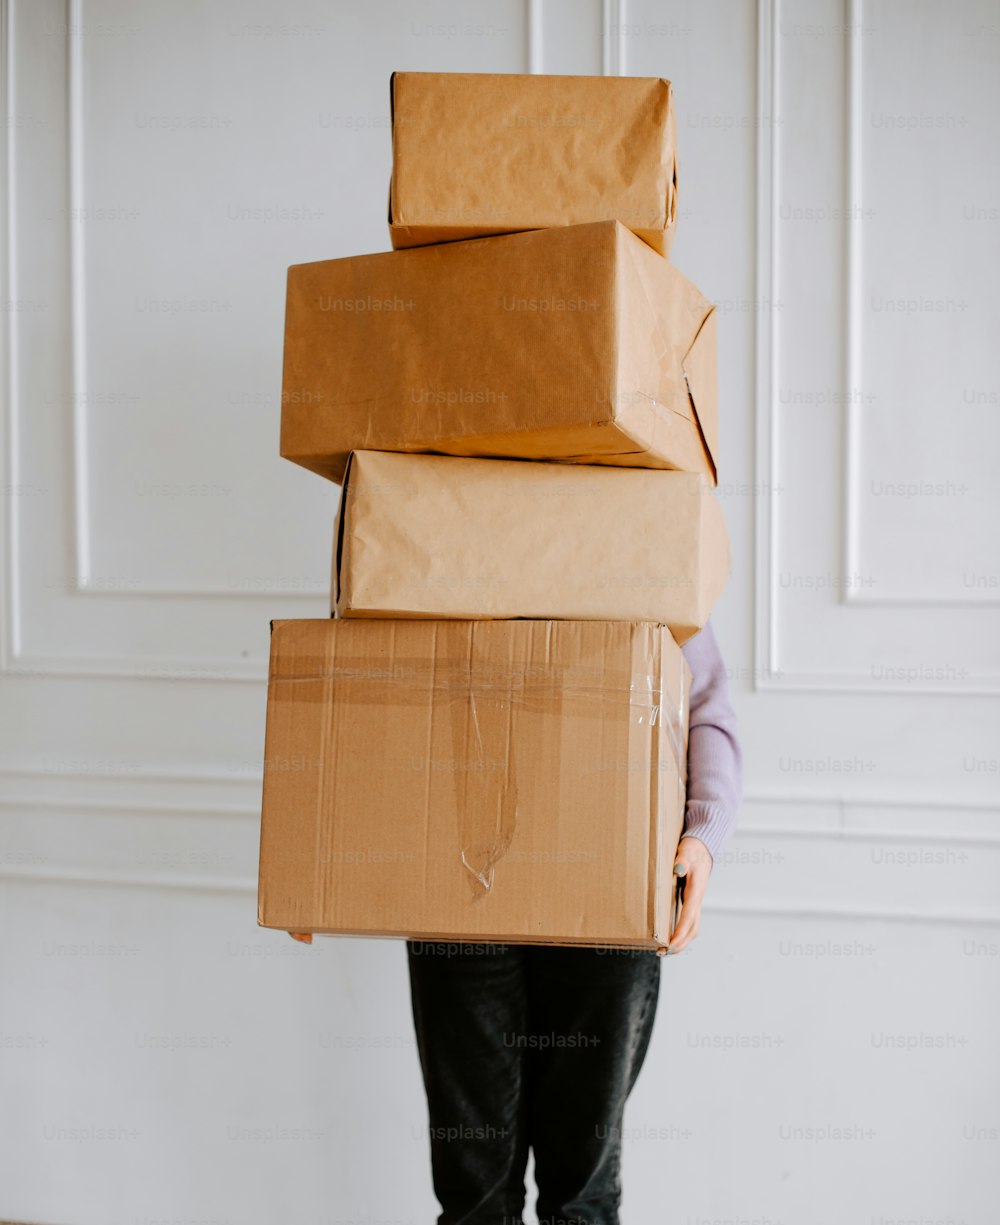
(162, 1059)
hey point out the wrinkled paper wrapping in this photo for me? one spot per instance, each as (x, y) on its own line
(437, 536)
(481, 153)
(578, 344)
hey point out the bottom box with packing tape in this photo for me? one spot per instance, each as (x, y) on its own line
(510, 781)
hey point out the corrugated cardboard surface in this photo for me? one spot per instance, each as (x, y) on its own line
(478, 153)
(436, 536)
(500, 780)
(578, 344)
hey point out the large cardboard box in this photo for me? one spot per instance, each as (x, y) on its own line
(436, 536)
(477, 153)
(513, 781)
(578, 344)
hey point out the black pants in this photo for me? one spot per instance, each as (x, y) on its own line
(529, 1046)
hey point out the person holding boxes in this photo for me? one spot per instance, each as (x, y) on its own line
(525, 387)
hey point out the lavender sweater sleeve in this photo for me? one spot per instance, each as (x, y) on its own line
(715, 758)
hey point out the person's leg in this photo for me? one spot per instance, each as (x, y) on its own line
(468, 1001)
(591, 1016)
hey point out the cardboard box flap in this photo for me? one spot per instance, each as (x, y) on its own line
(673, 185)
(392, 130)
(339, 522)
(672, 333)
(700, 374)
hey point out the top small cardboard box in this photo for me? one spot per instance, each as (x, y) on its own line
(477, 153)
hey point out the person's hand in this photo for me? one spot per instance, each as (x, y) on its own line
(305, 937)
(695, 856)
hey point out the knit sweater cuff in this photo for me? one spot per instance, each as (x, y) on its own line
(708, 822)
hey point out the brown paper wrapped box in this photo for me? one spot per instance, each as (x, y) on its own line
(436, 536)
(474, 780)
(477, 153)
(577, 344)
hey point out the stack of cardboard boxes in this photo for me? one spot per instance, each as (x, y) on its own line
(490, 737)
